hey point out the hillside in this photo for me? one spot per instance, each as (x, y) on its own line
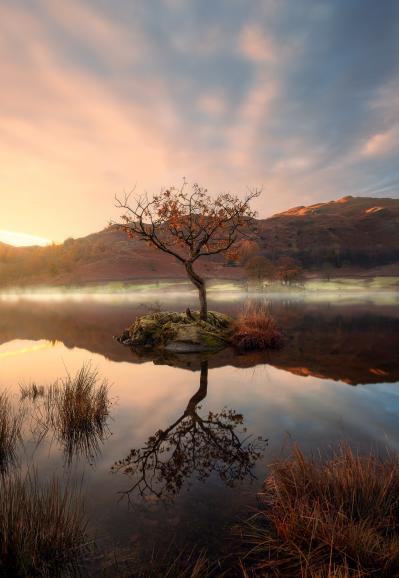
(350, 234)
(352, 231)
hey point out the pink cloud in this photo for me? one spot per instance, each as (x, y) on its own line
(381, 144)
(255, 45)
(212, 104)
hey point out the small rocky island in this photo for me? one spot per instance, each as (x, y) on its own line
(179, 332)
(188, 224)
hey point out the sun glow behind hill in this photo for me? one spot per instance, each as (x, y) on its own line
(22, 239)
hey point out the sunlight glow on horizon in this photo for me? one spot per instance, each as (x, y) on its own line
(98, 98)
(22, 239)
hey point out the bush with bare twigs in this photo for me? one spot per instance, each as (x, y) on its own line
(255, 329)
(334, 518)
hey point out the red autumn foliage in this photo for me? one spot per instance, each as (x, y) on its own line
(188, 224)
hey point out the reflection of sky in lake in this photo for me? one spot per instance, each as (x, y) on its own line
(275, 403)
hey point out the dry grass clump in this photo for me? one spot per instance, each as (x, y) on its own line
(42, 529)
(10, 432)
(77, 408)
(172, 563)
(255, 329)
(336, 519)
(31, 391)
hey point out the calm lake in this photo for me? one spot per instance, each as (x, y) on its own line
(203, 428)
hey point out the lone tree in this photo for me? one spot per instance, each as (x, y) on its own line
(188, 224)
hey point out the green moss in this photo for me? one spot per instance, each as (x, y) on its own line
(173, 330)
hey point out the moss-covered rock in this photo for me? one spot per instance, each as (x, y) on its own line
(179, 332)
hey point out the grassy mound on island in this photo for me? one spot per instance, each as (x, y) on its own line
(255, 329)
(179, 332)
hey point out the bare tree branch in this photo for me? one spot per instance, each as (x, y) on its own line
(188, 224)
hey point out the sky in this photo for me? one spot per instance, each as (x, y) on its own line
(98, 97)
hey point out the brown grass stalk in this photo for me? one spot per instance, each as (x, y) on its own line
(76, 409)
(31, 391)
(42, 528)
(10, 432)
(255, 329)
(338, 518)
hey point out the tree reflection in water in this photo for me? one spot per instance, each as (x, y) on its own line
(192, 446)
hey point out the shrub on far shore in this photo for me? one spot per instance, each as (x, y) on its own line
(255, 329)
(338, 518)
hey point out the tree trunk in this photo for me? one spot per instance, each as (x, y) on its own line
(200, 284)
(201, 393)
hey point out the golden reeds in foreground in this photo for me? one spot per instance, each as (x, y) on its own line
(337, 518)
(42, 527)
(10, 432)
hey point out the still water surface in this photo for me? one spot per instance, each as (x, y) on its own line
(222, 417)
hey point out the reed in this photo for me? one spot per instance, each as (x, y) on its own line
(10, 432)
(171, 563)
(322, 519)
(77, 408)
(31, 391)
(255, 329)
(42, 528)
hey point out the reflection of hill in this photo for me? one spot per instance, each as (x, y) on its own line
(86, 325)
(354, 345)
(355, 349)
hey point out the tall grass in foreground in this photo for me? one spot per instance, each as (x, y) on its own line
(255, 329)
(10, 432)
(172, 563)
(31, 391)
(42, 529)
(77, 408)
(339, 518)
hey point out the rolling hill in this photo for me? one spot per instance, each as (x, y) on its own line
(352, 231)
(352, 234)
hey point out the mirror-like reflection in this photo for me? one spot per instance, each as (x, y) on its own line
(354, 343)
(73, 411)
(192, 444)
(200, 456)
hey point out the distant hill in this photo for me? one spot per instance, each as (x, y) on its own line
(352, 234)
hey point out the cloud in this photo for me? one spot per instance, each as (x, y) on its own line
(255, 45)
(115, 45)
(245, 136)
(382, 143)
(97, 97)
(212, 104)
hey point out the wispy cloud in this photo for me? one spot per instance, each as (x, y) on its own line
(301, 98)
(255, 45)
